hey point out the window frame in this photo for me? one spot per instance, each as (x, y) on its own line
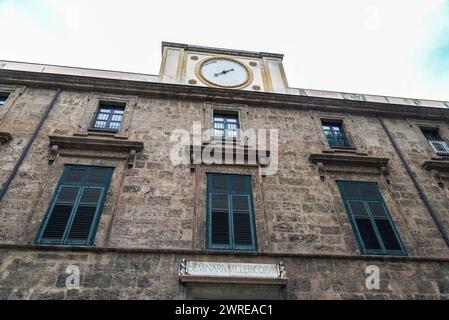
(90, 109)
(358, 145)
(207, 121)
(12, 93)
(229, 194)
(347, 137)
(435, 130)
(225, 114)
(64, 241)
(110, 105)
(355, 228)
(6, 96)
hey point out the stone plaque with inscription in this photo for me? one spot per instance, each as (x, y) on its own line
(198, 269)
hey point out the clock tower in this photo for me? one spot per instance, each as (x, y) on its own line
(222, 68)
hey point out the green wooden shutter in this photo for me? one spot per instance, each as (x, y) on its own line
(370, 219)
(74, 211)
(230, 219)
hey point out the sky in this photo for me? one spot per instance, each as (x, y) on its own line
(395, 48)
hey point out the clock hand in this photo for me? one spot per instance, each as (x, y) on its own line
(223, 72)
(226, 71)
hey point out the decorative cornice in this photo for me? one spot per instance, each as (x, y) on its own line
(224, 152)
(322, 159)
(436, 167)
(242, 53)
(208, 253)
(5, 137)
(348, 160)
(96, 144)
(198, 93)
(440, 165)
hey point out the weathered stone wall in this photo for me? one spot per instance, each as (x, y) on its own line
(38, 274)
(152, 204)
(155, 205)
(417, 150)
(20, 119)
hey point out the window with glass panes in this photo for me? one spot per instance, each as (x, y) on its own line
(109, 117)
(74, 212)
(335, 134)
(3, 99)
(370, 219)
(230, 215)
(438, 144)
(226, 125)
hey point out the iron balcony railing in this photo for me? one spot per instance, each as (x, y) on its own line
(440, 146)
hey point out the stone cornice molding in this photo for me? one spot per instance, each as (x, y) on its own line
(79, 249)
(248, 155)
(96, 144)
(322, 160)
(196, 93)
(242, 53)
(436, 167)
(440, 165)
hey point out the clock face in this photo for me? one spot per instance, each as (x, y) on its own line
(224, 72)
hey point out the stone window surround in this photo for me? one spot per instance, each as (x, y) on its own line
(353, 216)
(208, 118)
(48, 188)
(320, 117)
(91, 227)
(94, 100)
(199, 216)
(13, 92)
(438, 165)
(397, 215)
(230, 193)
(441, 127)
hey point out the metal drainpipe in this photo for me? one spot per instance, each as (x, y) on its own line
(28, 146)
(422, 195)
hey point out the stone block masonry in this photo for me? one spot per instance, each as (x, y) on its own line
(154, 213)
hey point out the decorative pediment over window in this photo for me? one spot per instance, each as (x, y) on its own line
(338, 162)
(227, 154)
(437, 167)
(5, 137)
(125, 149)
(440, 165)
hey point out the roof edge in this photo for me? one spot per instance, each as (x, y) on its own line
(242, 53)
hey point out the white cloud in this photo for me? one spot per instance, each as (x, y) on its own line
(375, 46)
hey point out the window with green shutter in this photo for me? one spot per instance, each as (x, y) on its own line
(370, 219)
(230, 215)
(73, 215)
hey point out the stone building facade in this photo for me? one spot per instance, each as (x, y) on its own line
(147, 216)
